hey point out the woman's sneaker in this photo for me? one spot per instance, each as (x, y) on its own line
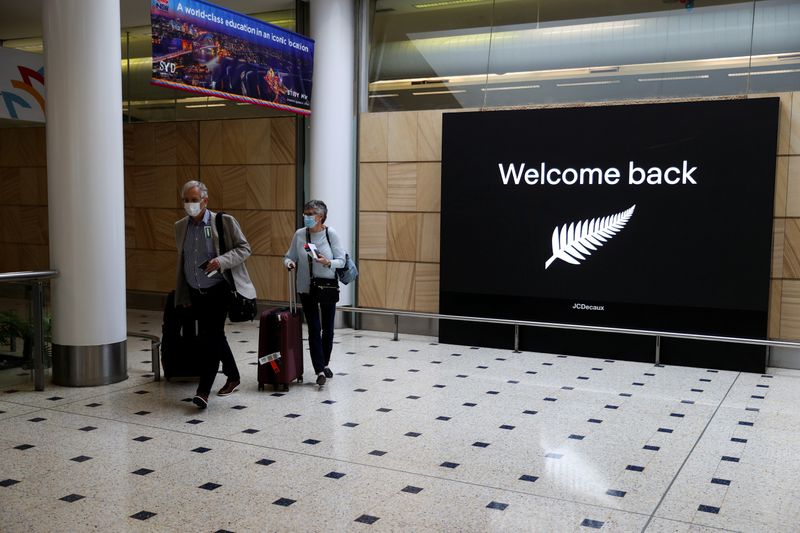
(321, 379)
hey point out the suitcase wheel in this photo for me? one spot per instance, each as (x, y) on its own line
(285, 387)
(300, 379)
(260, 386)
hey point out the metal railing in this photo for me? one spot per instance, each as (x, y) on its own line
(155, 351)
(36, 280)
(576, 327)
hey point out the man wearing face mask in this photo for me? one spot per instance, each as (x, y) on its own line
(201, 284)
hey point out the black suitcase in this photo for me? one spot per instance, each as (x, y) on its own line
(180, 357)
(280, 344)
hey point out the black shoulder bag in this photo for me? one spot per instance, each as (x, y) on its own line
(240, 309)
(323, 290)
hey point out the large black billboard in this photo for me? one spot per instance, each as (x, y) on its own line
(642, 216)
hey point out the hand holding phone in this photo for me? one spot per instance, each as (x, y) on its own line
(311, 249)
(204, 265)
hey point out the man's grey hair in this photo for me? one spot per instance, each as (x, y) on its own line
(191, 185)
(318, 206)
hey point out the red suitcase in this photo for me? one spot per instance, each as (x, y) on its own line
(281, 332)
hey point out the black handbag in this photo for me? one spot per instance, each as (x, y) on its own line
(240, 309)
(323, 290)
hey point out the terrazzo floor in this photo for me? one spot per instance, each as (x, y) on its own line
(408, 436)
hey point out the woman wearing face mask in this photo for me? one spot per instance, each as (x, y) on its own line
(200, 283)
(327, 256)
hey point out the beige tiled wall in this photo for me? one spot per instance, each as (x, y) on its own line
(399, 196)
(23, 200)
(400, 205)
(249, 166)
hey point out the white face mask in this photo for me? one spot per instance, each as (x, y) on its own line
(192, 208)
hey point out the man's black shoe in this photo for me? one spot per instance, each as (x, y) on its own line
(327, 372)
(200, 400)
(321, 379)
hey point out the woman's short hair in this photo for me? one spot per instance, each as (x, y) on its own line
(191, 185)
(318, 206)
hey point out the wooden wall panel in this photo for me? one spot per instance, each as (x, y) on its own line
(154, 229)
(373, 137)
(8, 148)
(247, 164)
(260, 187)
(186, 143)
(127, 144)
(282, 140)
(784, 122)
(278, 280)
(211, 142)
(781, 185)
(374, 186)
(429, 187)
(33, 186)
(429, 135)
(793, 187)
(285, 190)
(402, 187)
(144, 145)
(791, 248)
(372, 283)
(426, 284)
(258, 268)
(26, 142)
(790, 309)
(151, 270)
(227, 186)
(234, 142)
(283, 228)
(269, 277)
(402, 136)
(778, 232)
(130, 227)
(151, 186)
(41, 148)
(258, 142)
(166, 143)
(428, 237)
(256, 226)
(373, 231)
(400, 287)
(402, 237)
(775, 289)
(10, 183)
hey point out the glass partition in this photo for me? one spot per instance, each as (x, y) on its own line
(496, 53)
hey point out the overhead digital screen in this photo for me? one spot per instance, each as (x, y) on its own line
(641, 216)
(209, 50)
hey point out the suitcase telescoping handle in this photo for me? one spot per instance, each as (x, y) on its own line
(293, 291)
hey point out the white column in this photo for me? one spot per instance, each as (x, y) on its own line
(332, 145)
(85, 190)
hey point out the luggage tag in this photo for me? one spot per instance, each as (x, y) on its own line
(272, 359)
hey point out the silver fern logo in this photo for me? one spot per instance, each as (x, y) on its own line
(572, 244)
